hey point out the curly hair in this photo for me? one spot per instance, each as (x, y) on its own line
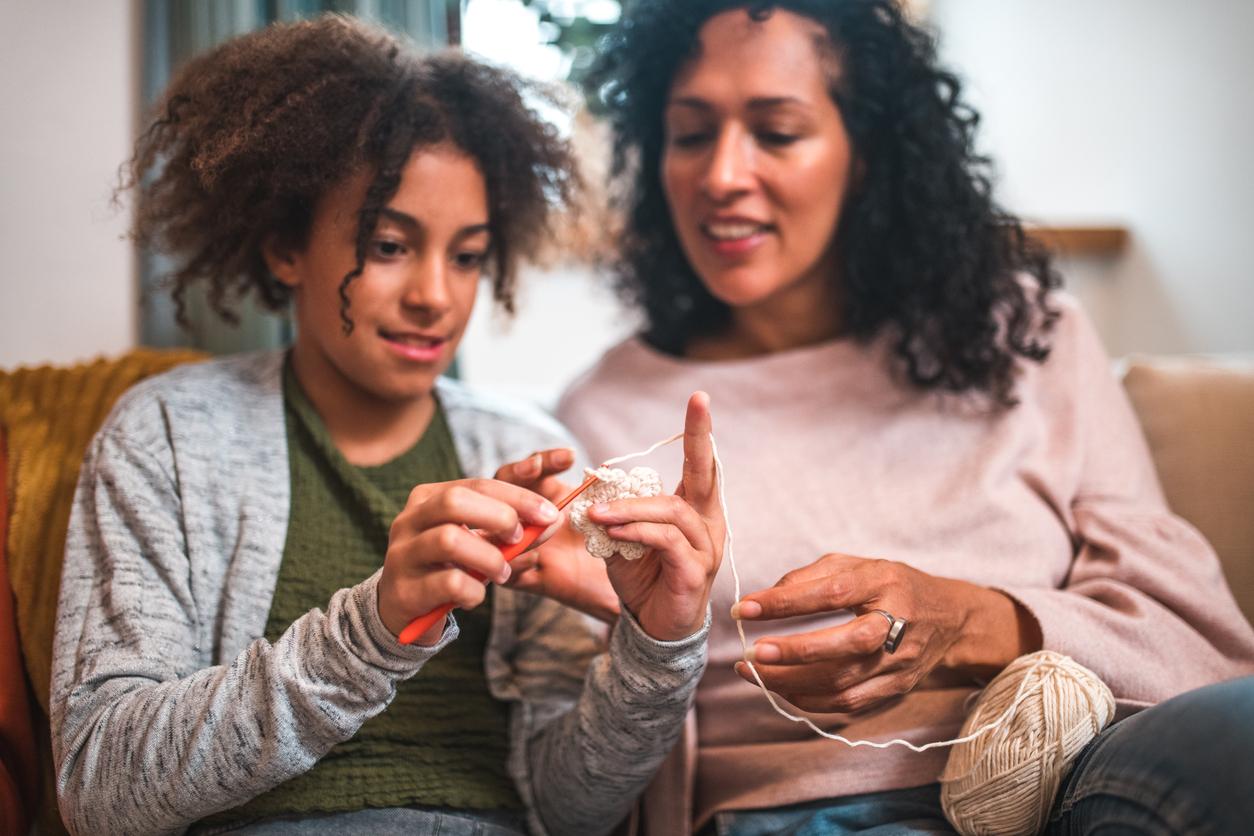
(251, 134)
(924, 250)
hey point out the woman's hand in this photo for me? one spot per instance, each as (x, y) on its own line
(432, 550)
(560, 568)
(951, 626)
(668, 590)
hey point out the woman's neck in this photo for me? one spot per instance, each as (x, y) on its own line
(781, 323)
(366, 429)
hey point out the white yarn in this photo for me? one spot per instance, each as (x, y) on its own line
(612, 484)
(1042, 710)
(1005, 783)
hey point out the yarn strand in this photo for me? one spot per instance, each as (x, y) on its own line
(1024, 691)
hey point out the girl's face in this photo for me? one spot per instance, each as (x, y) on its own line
(756, 162)
(413, 298)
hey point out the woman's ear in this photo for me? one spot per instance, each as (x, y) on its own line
(282, 261)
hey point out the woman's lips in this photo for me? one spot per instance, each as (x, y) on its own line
(734, 237)
(414, 347)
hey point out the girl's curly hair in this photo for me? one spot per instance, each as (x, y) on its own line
(252, 133)
(925, 250)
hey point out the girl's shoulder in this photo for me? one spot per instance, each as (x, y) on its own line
(230, 399)
(490, 429)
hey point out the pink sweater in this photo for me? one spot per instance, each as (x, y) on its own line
(1055, 502)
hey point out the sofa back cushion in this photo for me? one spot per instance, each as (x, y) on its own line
(1198, 417)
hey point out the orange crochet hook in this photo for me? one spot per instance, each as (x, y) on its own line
(423, 623)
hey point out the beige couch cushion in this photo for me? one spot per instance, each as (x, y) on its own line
(1198, 418)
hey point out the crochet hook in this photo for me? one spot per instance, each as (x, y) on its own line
(423, 623)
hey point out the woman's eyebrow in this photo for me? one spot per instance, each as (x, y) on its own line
(755, 103)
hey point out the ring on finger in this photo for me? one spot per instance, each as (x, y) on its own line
(896, 630)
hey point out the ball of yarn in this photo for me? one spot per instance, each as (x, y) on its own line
(612, 484)
(1004, 781)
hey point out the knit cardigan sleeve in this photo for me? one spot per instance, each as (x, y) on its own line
(1144, 604)
(146, 737)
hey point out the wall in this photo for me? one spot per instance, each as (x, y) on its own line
(1133, 112)
(67, 91)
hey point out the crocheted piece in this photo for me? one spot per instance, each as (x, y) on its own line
(612, 484)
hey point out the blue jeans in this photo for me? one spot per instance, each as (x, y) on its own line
(1184, 766)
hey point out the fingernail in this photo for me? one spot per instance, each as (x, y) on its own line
(765, 653)
(515, 535)
(505, 573)
(600, 508)
(746, 609)
(741, 668)
(547, 512)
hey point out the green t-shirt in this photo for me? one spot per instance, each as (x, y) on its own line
(443, 741)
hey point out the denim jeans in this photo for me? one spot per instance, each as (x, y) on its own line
(1185, 766)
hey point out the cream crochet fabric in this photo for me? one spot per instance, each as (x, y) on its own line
(613, 484)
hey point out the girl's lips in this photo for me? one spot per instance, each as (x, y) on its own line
(413, 349)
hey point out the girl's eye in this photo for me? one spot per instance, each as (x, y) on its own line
(384, 248)
(470, 260)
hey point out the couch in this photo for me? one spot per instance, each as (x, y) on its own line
(1198, 418)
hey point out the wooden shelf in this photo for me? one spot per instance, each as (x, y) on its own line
(1082, 240)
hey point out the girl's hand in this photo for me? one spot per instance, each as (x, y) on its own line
(432, 550)
(668, 590)
(951, 626)
(560, 568)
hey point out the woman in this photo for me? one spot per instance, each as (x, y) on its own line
(930, 471)
(251, 535)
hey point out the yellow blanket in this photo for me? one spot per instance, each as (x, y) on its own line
(50, 414)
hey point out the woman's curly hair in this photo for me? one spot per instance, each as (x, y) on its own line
(924, 249)
(251, 134)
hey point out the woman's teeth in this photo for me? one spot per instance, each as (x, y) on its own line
(732, 231)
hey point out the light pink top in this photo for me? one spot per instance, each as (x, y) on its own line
(1055, 502)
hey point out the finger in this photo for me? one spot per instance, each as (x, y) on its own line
(496, 508)
(664, 538)
(825, 593)
(450, 545)
(813, 680)
(829, 564)
(448, 585)
(537, 466)
(865, 695)
(700, 485)
(863, 636)
(670, 510)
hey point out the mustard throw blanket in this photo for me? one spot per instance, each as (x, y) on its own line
(50, 414)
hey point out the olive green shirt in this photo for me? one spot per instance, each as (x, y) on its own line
(443, 741)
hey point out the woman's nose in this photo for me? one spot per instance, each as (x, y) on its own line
(730, 169)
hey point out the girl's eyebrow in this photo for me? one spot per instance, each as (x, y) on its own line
(407, 220)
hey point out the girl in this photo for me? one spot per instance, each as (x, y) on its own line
(247, 540)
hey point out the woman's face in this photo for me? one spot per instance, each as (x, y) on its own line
(756, 162)
(413, 298)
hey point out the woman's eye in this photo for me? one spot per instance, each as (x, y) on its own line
(689, 140)
(777, 138)
(384, 248)
(470, 260)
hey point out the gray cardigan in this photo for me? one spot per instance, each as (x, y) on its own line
(167, 703)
